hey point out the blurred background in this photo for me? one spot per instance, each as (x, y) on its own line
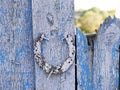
(89, 14)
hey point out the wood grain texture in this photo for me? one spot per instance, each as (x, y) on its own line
(53, 18)
(106, 58)
(84, 63)
(16, 49)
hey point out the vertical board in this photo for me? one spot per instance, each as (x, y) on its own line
(84, 63)
(106, 58)
(54, 18)
(16, 49)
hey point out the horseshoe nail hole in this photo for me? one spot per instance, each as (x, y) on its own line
(72, 53)
(67, 36)
(8, 40)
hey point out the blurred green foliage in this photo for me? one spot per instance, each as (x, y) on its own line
(89, 20)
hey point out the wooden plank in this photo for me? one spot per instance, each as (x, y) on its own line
(106, 58)
(53, 18)
(84, 62)
(16, 49)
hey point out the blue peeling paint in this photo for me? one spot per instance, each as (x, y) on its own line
(106, 56)
(2, 58)
(115, 56)
(20, 50)
(19, 45)
(84, 78)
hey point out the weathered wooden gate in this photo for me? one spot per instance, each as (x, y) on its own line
(96, 63)
(98, 57)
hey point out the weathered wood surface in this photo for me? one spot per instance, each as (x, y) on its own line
(84, 62)
(106, 58)
(16, 49)
(53, 18)
(97, 69)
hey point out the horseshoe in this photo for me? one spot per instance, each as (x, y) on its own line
(61, 68)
